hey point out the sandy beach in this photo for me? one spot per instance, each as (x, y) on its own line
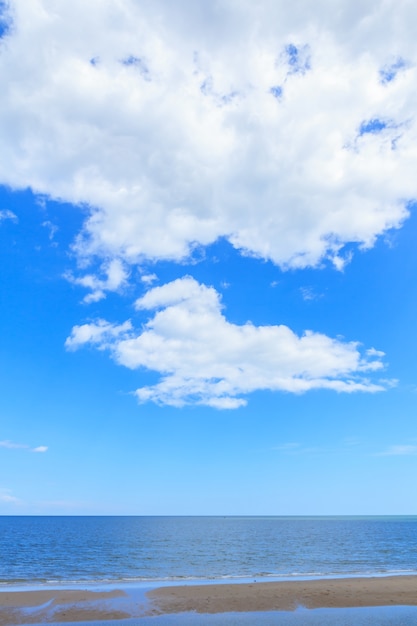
(64, 605)
(29, 607)
(287, 596)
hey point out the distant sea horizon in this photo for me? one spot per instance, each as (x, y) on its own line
(105, 549)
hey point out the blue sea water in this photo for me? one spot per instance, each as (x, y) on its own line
(50, 550)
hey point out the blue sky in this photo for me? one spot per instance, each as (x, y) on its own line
(208, 225)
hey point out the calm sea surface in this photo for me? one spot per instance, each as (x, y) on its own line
(151, 549)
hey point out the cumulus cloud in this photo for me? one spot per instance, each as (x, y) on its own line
(148, 279)
(291, 132)
(204, 359)
(115, 279)
(100, 333)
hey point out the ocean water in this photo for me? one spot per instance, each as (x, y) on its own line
(50, 550)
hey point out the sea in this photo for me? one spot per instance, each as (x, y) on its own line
(153, 551)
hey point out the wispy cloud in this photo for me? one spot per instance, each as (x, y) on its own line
(288, 447)
(352, 442)
(52, 228)
(309, 293)
(115, 278)
(5, 214)
(7, 497)
(292, 448)
(10, 445)
(400, 450)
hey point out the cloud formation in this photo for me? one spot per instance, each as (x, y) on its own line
(291, 133)
(204, 359)
(115, 279)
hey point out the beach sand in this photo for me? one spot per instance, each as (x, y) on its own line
(75, 605)
(64, 605)
(286, 596)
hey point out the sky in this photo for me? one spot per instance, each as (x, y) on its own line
(208, 217)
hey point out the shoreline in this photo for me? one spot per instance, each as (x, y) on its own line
(124, 601)
(108, 584)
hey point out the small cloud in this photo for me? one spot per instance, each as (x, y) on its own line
(219, 403)
(389, 383)
(5, 214)
(376, 353)
(308, 294)
(400, 450)
(52, 228)
(40, 449)
(148, 279)
(100, 333)
(7, 497)
(115, 279)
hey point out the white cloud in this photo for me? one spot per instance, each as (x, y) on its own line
(5, 214)
(116, 278)
(290, 131)
(204, 359)
(100, 333)
(148, 279)
(40, 449)
(52, 229)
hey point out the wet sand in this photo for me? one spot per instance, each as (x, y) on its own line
(286, 596)
(64, 605)
(78, 605)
